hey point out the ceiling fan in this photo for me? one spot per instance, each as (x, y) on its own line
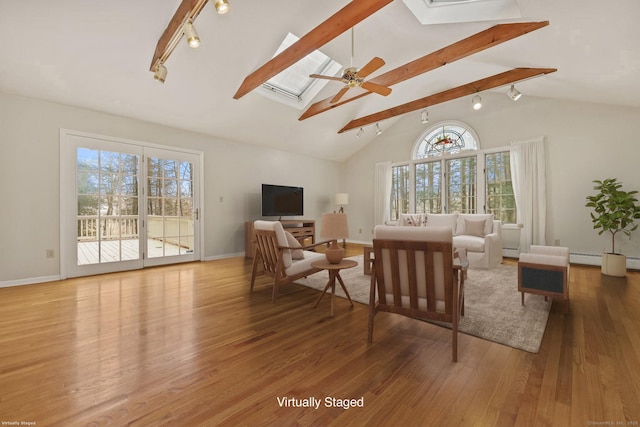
(354, 77)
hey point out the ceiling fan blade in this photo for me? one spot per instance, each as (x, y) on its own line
(339, 94)
(379, 89)
(371, 66)
(320, 76)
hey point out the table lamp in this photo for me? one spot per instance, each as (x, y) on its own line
(342, 199)
(334, 226)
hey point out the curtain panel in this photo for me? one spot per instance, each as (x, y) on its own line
(529, 188)
(382, 193)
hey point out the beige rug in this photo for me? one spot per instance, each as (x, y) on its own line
(493, 309)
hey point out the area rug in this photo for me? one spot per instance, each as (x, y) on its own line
(493, 309)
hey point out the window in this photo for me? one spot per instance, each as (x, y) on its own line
(293, 85)
(446, 138)
(399, 191)
(499, 192)
(449, 174)
(428, 189)
(461, 185)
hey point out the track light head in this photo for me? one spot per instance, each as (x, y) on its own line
(190, 34)
(161, 73)
(360, 132)
(424, 118)
(514, 93)
(222, 6)
(476, 102)
(377, 129)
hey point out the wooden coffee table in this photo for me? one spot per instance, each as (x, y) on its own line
(334, 273)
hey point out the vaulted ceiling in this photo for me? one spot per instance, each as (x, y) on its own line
(97, 55)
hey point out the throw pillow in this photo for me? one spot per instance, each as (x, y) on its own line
(474, 227)
(294, 243)
(414, 220)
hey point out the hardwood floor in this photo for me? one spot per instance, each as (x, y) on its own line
(189, 345)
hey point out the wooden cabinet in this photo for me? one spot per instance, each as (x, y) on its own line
(302, 229)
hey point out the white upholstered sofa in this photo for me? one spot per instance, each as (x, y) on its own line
(479, 234)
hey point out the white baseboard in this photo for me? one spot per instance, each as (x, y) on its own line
(28, 281)
(224, 256)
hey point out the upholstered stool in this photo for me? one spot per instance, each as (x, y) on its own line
(545, 271)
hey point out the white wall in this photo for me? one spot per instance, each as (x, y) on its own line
(583, 142)
(29, 181)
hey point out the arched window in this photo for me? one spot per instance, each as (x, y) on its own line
(445, 137)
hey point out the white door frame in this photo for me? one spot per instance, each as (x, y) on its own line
(69, 141)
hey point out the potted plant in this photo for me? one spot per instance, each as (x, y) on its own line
(614, 210)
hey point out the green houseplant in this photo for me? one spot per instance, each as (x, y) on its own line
(614, 210)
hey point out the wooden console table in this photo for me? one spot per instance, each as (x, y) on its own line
(301, 229)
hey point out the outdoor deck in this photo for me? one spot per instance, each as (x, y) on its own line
(111, 250)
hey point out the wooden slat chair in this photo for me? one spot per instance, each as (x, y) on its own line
(274, 253)
(414, 275)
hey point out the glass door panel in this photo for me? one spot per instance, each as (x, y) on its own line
(171, 214)
(107, 206)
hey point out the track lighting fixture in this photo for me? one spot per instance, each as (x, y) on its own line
(222, 6)
(424, 117)
(377, 129)
(514, 93)
(161, 73)
(190, 34)
(476, 102)
(360, 132)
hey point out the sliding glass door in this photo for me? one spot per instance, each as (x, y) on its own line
(126, 206)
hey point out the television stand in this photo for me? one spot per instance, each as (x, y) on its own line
(304, 230)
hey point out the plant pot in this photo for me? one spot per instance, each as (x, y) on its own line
(614, 265)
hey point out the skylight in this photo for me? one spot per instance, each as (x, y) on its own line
(293, 85)
(452, 11)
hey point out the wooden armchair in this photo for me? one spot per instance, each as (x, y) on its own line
(414, 275)
(282, 258)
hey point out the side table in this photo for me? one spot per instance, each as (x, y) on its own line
(367, 252)
(334, 273)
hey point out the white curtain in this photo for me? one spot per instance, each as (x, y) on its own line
(382, 195)
(529, 187)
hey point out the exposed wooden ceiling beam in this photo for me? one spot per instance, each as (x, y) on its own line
(188, 9)
(345, 18)
(508, 77)
(478, 42)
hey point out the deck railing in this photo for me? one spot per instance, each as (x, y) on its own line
(110, 227)
(175, 230)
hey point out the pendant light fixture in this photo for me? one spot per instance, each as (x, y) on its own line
(222, 6)
(190, 34)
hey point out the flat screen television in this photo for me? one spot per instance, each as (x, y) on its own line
(282, 200)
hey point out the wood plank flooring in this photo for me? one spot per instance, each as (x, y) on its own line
(189, 345)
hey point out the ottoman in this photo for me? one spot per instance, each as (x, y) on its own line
(545, 271)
